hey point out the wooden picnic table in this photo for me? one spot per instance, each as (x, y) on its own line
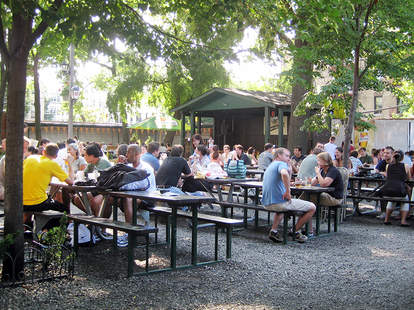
(227, 181)
(254, 172)
(356, 190)
(307, 190)
(174, 202)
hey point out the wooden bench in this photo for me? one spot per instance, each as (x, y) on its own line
(218, 221)
(132, 230)
(376, 198)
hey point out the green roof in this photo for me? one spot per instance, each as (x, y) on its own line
(159, 122)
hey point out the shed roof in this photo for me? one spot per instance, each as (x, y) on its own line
(230, 98)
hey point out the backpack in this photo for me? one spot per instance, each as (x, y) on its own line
(235, 169)
(123, 177)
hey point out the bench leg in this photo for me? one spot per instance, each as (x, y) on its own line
(156, 226)
(131, 245)
(336, 219)
(146, 252)
(115, 218)
(194, 236)
(228, 242)
(293, 226)
(245, 218)
(76, 237)
(168, 230)
(216, 242)
(285, 227)
(329, 219)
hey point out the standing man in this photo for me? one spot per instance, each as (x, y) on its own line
(151, 156)
(276, 196)
(330, 147)
(265, 157)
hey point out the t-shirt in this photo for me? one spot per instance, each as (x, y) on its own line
(337, 182)
(101, 165)
(273, 187)
(307, 168)
(151, 177)
(298, 159)
(330, 148)
(170, 171)
(37, 173)
(152, 160)
(264, 160)
(381, 166)
(366, 159)
(355, 164)
(77, 163)
(246, 159)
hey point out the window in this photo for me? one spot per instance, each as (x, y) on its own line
(377, 104)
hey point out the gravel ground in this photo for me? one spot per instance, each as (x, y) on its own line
(365, 266)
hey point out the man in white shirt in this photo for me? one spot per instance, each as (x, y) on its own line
(133, 156)
(330, 147)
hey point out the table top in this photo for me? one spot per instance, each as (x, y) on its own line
(168, 198)
(314, 189)
(254, 171)
(230, 180)
(75, 187)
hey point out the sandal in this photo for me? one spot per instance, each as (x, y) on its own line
(404, 225)
(387, 223)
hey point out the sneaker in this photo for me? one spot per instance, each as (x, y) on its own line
(300, 238)
(381, 216)
(122, 241)
(275, 236)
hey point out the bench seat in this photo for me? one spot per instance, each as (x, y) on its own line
(132, 230)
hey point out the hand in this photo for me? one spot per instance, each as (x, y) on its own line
(286, 195)
(317, 170)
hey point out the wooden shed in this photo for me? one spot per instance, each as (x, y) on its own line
(240, 116)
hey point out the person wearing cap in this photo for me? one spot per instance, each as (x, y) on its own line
(266, 157)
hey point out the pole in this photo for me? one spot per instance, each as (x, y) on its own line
(71, 80)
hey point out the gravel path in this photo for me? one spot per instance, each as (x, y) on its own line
(365, 266)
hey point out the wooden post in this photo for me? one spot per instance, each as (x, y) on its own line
(199, 124)
(267, 125)
(280, 116)
(182, 134)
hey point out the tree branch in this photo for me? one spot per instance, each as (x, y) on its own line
(3, 47)
(103, 65)
(285, 38)
(368, 13)
(41, 28)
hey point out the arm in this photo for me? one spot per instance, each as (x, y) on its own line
(324, 182)
(408, 171)
(286, 182)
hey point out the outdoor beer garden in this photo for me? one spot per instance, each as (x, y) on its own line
(201, 155)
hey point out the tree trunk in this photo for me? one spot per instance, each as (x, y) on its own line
(17, 65)
(38, 130)
(125, 132)
(3, 84)
(297, 137)
(351, 118)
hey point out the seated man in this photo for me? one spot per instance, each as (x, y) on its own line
(307, 168)
(172, 168)
(151, 156)
(276, 196)
(297, 158)
(38, 170)
(266, 157)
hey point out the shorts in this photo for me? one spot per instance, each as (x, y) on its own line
(404, 206)
(298, 205)
(48, 204)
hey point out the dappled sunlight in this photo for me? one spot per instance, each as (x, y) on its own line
(382, 253)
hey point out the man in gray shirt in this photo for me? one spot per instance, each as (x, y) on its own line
(266, 157)
(307, 168)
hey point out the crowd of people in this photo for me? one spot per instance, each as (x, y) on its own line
(167, 168)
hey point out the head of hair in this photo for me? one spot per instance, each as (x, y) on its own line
(94, 150)
(52, 149)
(298, 148)
(268, 146)
(362, 149)
(326, 158)
(215, 154)
(354, 154)
(177, 150)
(134, 148)
(239, 146)
(398, 156)
(251, 150)
(279, 151)
(226, 146)
(340, 149)
(61, 145)
(74, 146)
(317, 150)
(202, 149)
(70, 140)
(153, 147)
(375, 152)
(389, 148)
(197, 137)
(332, 138)
(33, 150)
(122, 149)
(44, 141)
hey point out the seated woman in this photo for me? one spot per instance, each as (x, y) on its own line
(214, 168)
(93, 156)
(227, 155)
(328, 176)
(251, 153)
(121, 153)
(199, 165)
(339, 158)
(397, 173)
(77, 162)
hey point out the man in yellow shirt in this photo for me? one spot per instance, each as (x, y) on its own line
(38, 170)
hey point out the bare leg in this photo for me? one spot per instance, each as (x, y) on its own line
(307, 217)
(276, 220)
(128, 210)
(404, 215)
(388, 214)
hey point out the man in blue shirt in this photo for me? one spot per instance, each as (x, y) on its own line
(151, 156)
(276, 196)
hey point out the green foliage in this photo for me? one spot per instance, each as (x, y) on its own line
(5, 244)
